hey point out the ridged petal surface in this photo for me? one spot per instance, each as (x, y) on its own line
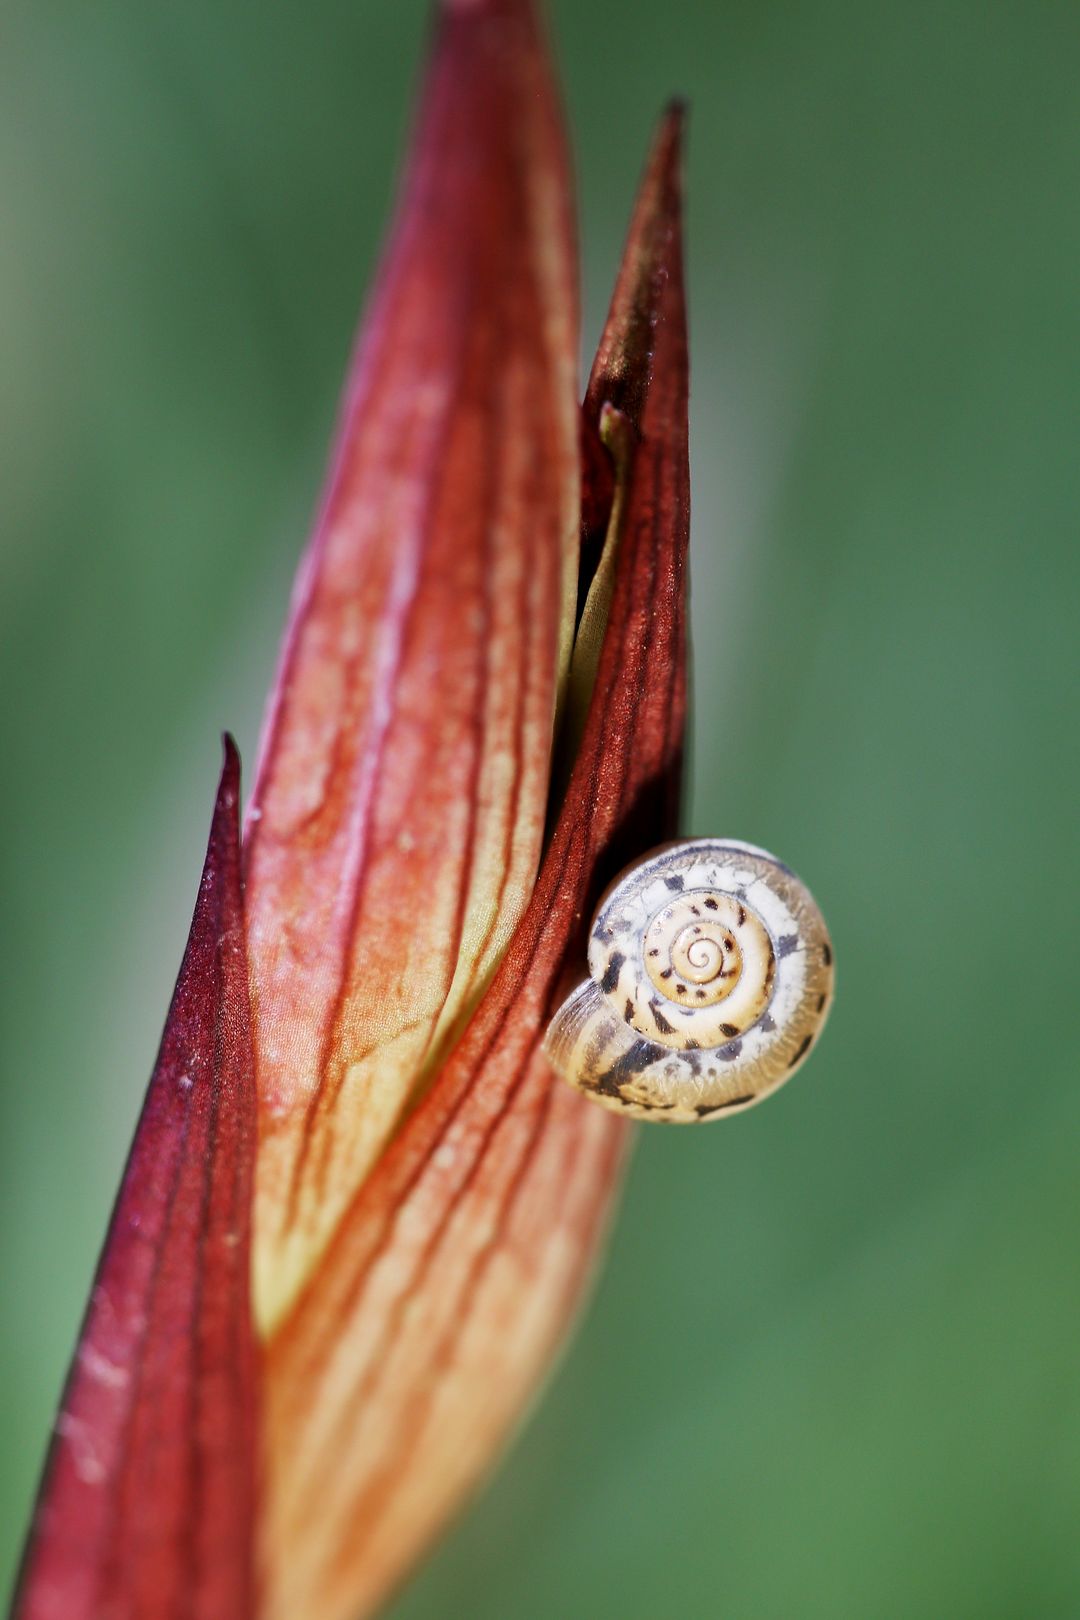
(437, 1307)
(401, 795)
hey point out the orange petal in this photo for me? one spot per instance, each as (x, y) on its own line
(147, 1506)
(449, 1282)
(399, 808)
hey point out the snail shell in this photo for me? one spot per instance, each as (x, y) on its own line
(710, 977)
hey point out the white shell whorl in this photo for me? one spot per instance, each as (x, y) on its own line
(711, 974)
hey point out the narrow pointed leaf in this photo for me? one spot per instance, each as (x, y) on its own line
(400, 802)
(147, 1505)
(437, 1306)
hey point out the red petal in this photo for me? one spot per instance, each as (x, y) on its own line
(641, 369)
(147, 1504)
(400, 803)
(439, 1303)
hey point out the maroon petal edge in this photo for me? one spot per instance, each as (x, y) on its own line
(147, 1503)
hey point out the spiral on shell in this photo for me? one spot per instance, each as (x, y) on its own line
(710, 977)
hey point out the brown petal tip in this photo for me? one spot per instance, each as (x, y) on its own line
(648, 292)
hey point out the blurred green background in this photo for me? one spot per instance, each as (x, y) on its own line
(832, 1366)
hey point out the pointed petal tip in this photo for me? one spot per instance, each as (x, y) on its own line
(227, 801)
(147, 1501)
(645, 327)
(481, 10)
(669, 143)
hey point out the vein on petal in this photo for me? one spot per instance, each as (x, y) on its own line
(399, 807)
(440, 1299)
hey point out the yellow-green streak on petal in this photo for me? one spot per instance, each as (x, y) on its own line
(617, 436)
